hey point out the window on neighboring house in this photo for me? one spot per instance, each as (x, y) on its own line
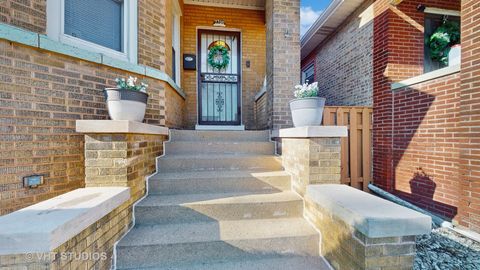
(432, 22)
(308, 74)
(104, 26)
(176, 43)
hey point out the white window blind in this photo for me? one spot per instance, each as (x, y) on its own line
(96, 21)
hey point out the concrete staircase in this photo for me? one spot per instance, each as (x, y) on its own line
(220, 201)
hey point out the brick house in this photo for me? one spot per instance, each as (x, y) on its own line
(372, 53)
(55, 63)
(189, 188)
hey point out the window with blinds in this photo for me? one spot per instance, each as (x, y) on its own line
(96, 21)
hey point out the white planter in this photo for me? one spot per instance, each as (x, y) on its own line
(454, 56)
(126, 104)
(307, 111)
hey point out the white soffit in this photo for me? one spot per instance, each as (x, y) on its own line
(243, 4)
(329, 20)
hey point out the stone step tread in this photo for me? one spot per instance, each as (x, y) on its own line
(261, 143)
(219, 156)
(219, 198)
(198, 135)
(217, 174)
(230, 147)
(223, 231)
(218, 162)
(273, 263)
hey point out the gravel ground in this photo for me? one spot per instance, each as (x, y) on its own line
(444, 249)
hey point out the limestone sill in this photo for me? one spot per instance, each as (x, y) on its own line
(372, 216)
(45, 226)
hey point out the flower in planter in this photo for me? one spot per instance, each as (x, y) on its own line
(131, 84)
(306, 90)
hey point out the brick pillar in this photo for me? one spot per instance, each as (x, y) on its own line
(469, 114)
(312, 155)
(121, 160)
(311, 161)
(283, 59)
(382, 100)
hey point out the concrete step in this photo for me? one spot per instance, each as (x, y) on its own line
(218, 162)
(221, 182)
(194, 243)
(269, 262)
(219, 147)
(216, 136)
(219, 206)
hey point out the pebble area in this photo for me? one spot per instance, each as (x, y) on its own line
(444, 249)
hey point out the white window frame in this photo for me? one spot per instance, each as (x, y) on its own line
(56, 31)
(176, 28)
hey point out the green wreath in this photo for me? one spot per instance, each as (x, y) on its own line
(213, 54)
(441, 41)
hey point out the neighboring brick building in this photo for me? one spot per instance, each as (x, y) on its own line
(50, 78)
(423, 119)
(343, 57)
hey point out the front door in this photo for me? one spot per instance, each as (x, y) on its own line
(219, 89)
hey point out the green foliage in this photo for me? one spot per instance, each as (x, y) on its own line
(440, 42)
(212, 57)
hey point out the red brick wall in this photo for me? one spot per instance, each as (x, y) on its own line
(252, 25)
(415, 129)
(470, 116)
(425, 144)
(382, 99)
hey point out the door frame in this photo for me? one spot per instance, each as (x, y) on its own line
(238, 34)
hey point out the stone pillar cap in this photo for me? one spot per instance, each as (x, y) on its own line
(311, 132)
(118, 126)
(371, 215)
(44, 226)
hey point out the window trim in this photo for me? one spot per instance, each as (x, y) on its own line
(176, 34)
(311, 65)
(56, 24)
(434, 74)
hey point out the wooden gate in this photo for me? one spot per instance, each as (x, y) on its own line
(356, 152)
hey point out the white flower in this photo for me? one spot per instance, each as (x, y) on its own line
(306, 90)
(131, 81)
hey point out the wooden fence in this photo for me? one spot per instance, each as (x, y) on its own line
(356, 152)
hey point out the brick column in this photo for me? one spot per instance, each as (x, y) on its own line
(283, 59)
(469, 114)
(121, 160)
(121, 153)
(312, 155)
